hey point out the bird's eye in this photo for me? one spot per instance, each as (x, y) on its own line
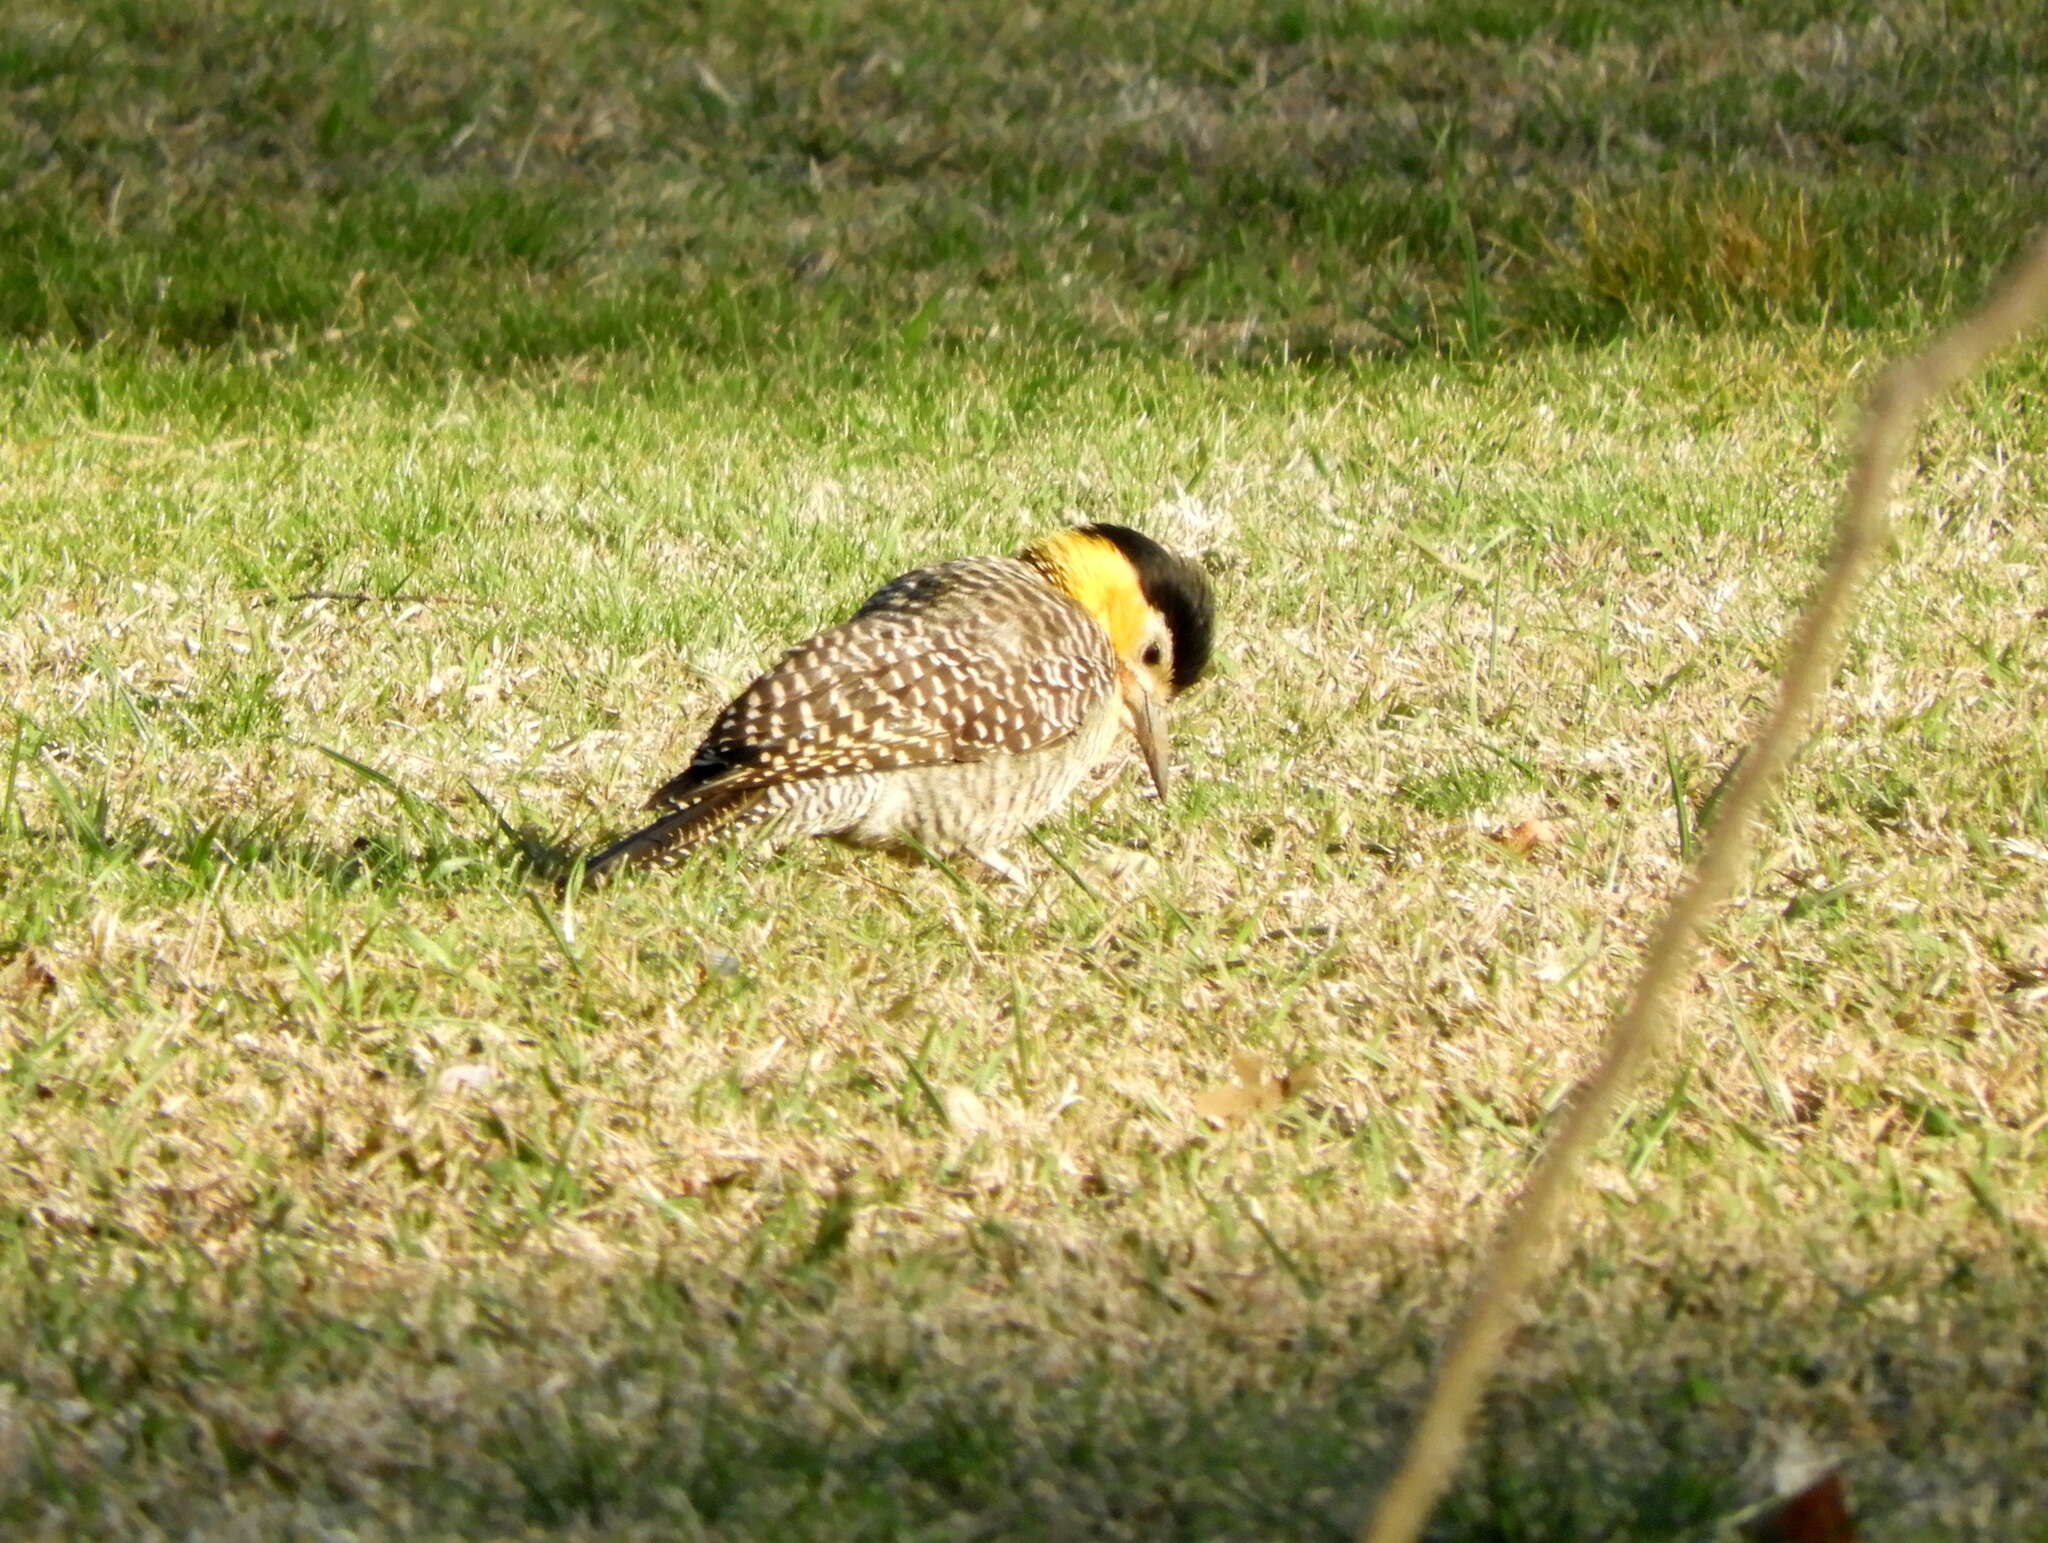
(1152, 654)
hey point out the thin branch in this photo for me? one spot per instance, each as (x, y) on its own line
(363, 597)
(1889, 418)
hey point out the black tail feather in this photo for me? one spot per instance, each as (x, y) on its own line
(695, 822)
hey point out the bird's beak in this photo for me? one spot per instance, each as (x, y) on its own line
(1148, 727)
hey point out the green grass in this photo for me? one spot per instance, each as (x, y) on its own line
(419, 420)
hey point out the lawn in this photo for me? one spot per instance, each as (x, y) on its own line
(421, 417)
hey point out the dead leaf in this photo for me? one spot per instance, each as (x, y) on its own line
(1257, 1087)
(1526, 837)
(966, 1113)
(26, 975)
(1818, 1513)
(2026, 980)
(465, 1077)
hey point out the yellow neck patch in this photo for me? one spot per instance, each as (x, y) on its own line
(1098, 576)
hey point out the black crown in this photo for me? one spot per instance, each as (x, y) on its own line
(1178, 590)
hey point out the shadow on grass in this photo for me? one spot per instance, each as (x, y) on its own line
(445, 185)
(191, 856)
(792, 1401)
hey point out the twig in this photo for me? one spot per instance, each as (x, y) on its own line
(364, 597)
(1464, 573)
(112, 437)
(1889, 418)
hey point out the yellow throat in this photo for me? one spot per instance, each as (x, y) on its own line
(1100, 578)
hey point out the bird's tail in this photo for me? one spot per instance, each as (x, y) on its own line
(717, 811)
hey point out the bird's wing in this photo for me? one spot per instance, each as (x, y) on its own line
(923, 675)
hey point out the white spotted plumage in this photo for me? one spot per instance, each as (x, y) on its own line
(960, 705)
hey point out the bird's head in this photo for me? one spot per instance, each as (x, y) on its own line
(1157, 609)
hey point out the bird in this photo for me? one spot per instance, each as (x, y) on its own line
(960, 705)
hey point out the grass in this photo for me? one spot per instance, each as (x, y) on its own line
(419, 423)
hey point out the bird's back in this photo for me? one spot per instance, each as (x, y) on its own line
(955, 663)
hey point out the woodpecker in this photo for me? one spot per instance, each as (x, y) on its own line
(958, 707)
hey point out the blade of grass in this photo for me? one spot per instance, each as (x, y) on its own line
(423, 811)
